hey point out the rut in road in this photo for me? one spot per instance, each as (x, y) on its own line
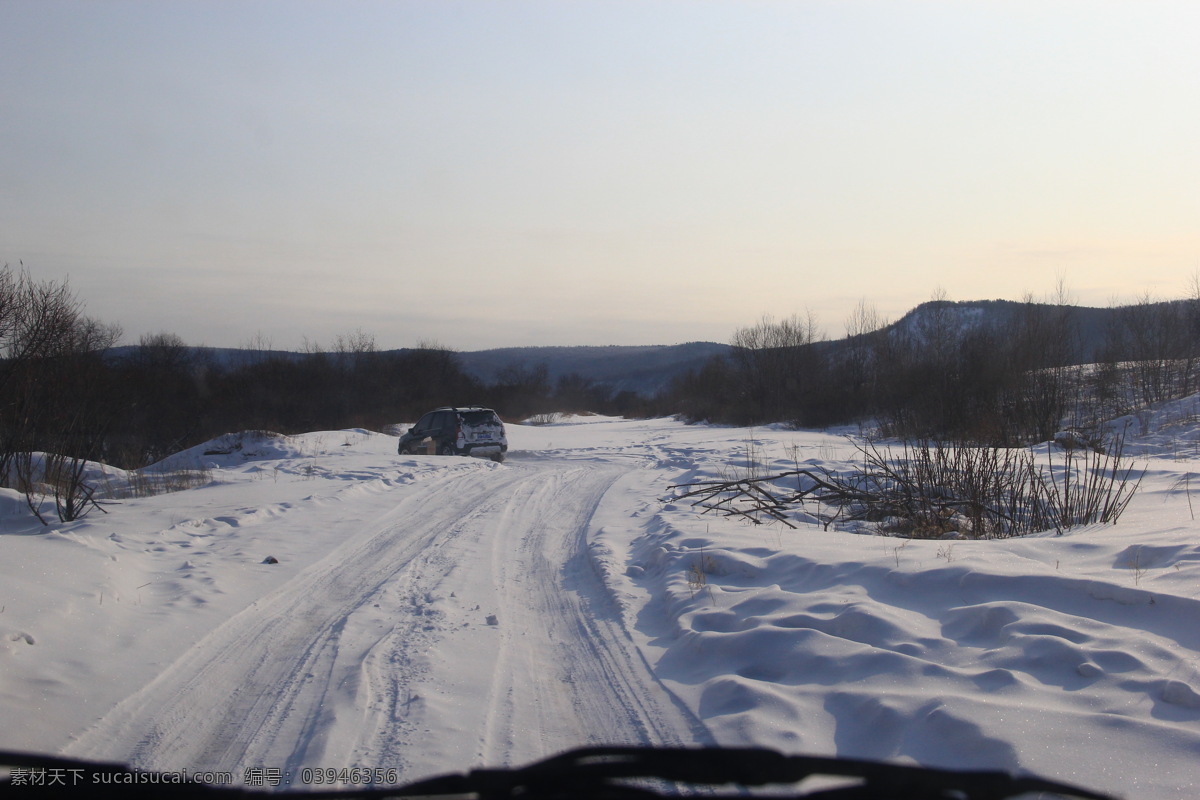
(380, 655)
(238, 695)
(557, 671)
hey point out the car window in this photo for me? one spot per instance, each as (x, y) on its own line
(425, 423)
(474, 418)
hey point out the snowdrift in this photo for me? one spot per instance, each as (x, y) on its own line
(1076, 657)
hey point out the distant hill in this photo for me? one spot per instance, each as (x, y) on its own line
(1091, 323)
(647, 368)
(643, 369)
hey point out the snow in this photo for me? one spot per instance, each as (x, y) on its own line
(432, 614)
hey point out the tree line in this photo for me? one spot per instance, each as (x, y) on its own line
(177, 396)
(1014, 378)
(69, 396)
(67, 393)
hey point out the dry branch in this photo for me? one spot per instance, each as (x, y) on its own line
(933, 489)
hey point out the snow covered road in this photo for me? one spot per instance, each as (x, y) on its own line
(375, 653)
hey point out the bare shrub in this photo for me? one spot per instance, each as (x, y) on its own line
(149, 483)
(937, 488)
(1090, 485)
(74, 497)
(41, 476)
(934, 489)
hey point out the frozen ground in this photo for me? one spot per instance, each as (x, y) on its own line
(431, 614)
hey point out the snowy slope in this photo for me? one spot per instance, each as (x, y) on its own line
(431, 614)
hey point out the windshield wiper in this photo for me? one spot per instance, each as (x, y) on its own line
(594, 773)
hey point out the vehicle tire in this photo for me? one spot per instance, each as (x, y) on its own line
(498, 458)
(446, 450)
(403, 450)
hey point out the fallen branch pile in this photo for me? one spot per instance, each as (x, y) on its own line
(746, 497)
(753, 498)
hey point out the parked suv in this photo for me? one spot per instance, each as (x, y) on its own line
(450, 431)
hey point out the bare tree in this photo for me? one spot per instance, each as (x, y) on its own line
(777, 364)
(864, 319)
(37, 323)
(858, 365)
(1154, 340)
(64, 404)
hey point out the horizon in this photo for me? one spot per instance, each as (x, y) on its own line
(269, 348)
(505, 176)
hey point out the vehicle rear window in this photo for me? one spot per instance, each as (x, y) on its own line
(480, 418)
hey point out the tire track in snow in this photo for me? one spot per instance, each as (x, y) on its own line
(558, 670)
(380, 656)
(583, 678)
(250, 693)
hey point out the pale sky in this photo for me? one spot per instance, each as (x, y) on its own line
(490, 174)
